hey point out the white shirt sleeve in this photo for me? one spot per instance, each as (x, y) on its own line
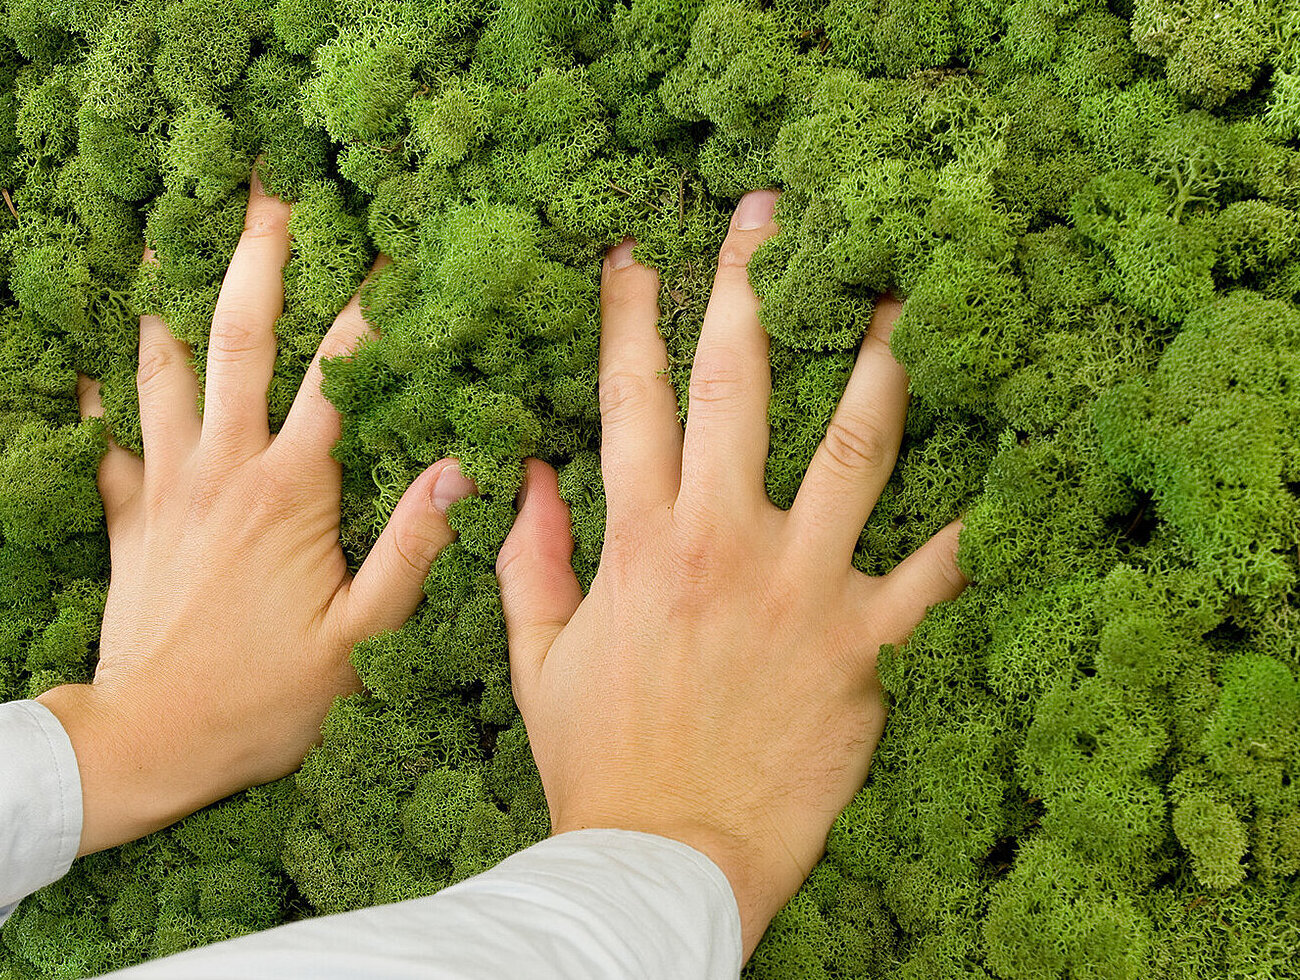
(586, 905)
(40, 801)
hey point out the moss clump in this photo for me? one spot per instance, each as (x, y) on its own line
(1091, 763)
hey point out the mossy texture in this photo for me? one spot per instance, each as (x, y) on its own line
(1092, 764)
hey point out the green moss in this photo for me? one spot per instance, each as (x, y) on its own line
(1090, 210)
(204, 156)
(203, 49)
(47, 483)
(1212, 50)
(1211, 435)
(1215, 837)
(360, 86)
(1056, 917)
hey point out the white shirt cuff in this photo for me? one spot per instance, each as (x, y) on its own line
(40, 801)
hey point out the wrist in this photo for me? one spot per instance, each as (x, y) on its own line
(127, 790)
(757, 894)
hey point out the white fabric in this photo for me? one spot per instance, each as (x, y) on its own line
(587, 905)
(40, 801)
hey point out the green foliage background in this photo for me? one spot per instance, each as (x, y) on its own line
(1092, 767)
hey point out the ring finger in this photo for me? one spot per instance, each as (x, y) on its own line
(857, 455)
(169, 395)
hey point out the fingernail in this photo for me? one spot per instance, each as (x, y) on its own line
(755, 210)
(620, 256)
(451, 486)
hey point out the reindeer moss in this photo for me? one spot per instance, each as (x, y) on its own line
(1092, 764)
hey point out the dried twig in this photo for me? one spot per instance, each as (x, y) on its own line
(1136, 519)
(626, 193)
(9, 201)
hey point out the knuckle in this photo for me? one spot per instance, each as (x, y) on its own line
(510, 559)
(274, 499)
(234, 334)
(947, 572)
(854, 445)
(734, 254)
(86, 387)
(622, 394)
(276, 487)
(414, 549)
(876, 344)
(705, 547)
(341, 341)
(201, 499)
(154, 495)
(263, 223)
(717, 379)
(156, 362)
(694, 565)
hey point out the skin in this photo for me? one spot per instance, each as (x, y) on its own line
(716, 686)
(231, 614)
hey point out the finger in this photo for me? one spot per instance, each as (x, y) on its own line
(121, 473)
(169, 395)
(857, 455)
(925, 578)
(390, 583)
(241, 350)
(539, 591)
(726, 426)
(313, 425)
(640, 437)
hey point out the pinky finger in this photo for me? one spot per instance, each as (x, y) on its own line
(928, 576)
(121, 473)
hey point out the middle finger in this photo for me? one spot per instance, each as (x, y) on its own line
(726, 425)
(241, 350)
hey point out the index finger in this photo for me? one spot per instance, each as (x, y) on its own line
(314, 425)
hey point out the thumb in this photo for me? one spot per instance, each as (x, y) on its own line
(539, 591)
(390, 582)
(925, 578)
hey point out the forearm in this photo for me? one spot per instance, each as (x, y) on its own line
(588, 904)
(131, 784)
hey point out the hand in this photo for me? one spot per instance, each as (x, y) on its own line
(231, 614)
(717, 685)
